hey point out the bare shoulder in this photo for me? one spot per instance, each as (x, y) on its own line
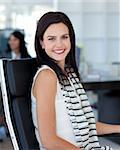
(46, 79)
(46, 75)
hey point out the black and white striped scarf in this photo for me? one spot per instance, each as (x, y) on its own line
(80, 113)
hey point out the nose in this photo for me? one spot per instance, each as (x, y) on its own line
(59, 43)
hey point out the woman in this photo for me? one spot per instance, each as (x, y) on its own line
(16, 49)
(16, 46)
(61, 112)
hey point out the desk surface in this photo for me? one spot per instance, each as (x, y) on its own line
(107, 83)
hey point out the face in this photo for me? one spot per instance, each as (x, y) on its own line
(14, 43)
(56, 42)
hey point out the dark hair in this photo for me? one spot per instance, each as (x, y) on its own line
(23, 49)
(44, 22)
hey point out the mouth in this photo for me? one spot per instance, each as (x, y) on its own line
(59, 51)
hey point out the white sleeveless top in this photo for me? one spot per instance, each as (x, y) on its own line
(63, 125)
(82, 118)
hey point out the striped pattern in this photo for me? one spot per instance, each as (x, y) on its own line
(80, 113)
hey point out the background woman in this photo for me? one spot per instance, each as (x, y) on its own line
(16, 46)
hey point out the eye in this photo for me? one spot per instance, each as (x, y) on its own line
(65, 36)
(51, 38)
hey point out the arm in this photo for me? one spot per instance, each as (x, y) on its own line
(103, 128)
(45, 90)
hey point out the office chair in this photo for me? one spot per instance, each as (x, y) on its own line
(16, 79)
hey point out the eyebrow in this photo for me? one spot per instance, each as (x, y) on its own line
(55, 36)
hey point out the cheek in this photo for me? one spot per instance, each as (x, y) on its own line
(68, 45)
(9, 43)
(48, 46)
(17, 44)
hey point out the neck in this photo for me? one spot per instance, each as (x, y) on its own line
(16, 51)
(62, 65)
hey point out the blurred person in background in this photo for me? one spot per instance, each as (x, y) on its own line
(16, 49)
(16, 46)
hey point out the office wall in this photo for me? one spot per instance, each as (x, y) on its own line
(96, 24)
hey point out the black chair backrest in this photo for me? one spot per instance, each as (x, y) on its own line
(19, 75)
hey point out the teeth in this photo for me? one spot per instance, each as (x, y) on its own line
(58, 51)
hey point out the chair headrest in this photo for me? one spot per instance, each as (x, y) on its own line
(19, 74)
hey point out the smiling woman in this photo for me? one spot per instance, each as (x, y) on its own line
(62, 115)
(56, 43)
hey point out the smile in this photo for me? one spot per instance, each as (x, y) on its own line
(59, 51)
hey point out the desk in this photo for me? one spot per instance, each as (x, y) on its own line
(108, 91)
(110, 83)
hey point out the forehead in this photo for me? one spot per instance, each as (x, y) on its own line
(57, 28)
(12, 37)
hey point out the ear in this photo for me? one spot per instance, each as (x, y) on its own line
(42, 44)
